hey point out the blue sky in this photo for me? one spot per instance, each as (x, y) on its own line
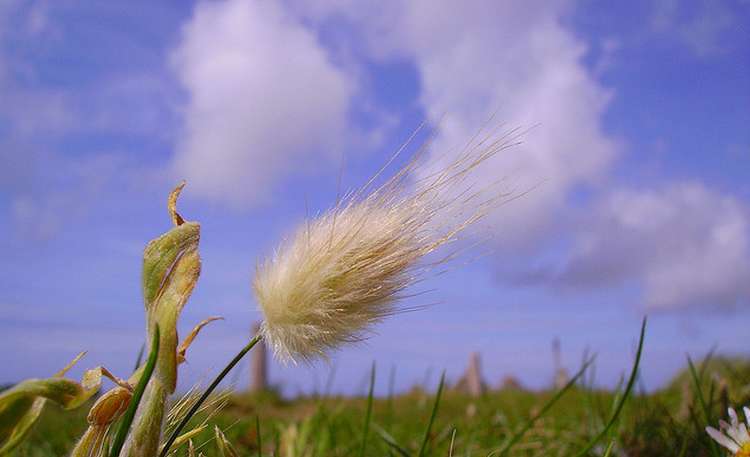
(638, 152)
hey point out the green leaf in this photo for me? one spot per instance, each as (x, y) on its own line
(547, 406)
(390, 441)
(368, 415)
(696, 379)
(21, 405)
(171, 266)
(435, 405)
(215, 383)
(623, 399)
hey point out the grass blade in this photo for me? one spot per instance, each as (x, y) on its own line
(214, 384)
(426, 439)
(625, 395)
(139, 359)
(696, 378)
(547, 406)
(257, 432)
(391, 388)
(127, 418)
(390, 441)
(368, 415)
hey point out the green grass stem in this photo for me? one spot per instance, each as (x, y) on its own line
(435, 406)
(211, 388)
(623, 399)
(368, 415)
(127, 418)
(547, 406)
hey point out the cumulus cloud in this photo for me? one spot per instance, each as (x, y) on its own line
(685, 244)
(514, 59)
(499, 56)
(264, 100)
(46, 177)
(700, 26)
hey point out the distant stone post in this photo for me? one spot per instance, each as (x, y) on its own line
(474, 383)
(561, 374)
(471, 382)
(258, 365)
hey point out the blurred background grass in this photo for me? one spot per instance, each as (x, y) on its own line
(668, 422)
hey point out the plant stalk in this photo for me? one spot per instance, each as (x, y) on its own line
(202, 399)
(127, 419)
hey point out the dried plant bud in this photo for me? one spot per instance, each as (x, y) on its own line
(109, 407)
(171, 266)
(106, 410)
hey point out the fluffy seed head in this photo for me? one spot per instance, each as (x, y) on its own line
(344, 271)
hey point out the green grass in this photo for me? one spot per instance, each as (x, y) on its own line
(666, 423)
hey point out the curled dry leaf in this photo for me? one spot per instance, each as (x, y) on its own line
(21, 405)
(172, 204)
(182, 349)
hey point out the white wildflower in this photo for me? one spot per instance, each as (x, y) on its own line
(345, 270)
(733, 436)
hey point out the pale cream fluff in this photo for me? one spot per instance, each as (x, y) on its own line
(340, 273)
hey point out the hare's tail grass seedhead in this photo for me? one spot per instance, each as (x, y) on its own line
(340, 273)
(346, 270)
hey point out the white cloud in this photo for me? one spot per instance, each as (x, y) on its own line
(265, 100)
(499, 56)
(49, 182)
(684, 243)
(701, 26)
(513, 58)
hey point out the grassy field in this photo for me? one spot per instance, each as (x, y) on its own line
(666, 423)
